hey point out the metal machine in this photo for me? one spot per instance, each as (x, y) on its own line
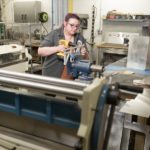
(42, 113)
(135, 106)
(14, 57)
(27, 12)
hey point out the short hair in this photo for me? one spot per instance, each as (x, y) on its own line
(72, 15)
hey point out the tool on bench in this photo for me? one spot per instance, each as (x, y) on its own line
(71, 50)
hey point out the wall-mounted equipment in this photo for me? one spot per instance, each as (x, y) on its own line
(26, 11)
(84, 20)
(43, 17)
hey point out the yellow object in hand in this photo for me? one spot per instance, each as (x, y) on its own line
(64, 42)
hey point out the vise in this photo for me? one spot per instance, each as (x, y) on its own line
(82, 69)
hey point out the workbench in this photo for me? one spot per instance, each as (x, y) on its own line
(110, 52)
(125, 76)
(120, 65)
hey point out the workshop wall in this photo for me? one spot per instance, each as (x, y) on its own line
(88, 10)
(8, 11)
(84, 7)
(103, 6)
(128, 6)
(46, 6)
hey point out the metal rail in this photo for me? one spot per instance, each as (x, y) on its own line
(12, 143)
(15, 140)
(41, 83)
(41, 87)
(43, 79)
(96, 68)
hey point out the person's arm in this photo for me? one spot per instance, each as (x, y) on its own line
(45, 51)
(84, 50)
(49, 45)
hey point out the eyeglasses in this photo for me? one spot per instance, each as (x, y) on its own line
(74, 26)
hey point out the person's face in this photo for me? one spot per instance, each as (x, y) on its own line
(72, 26)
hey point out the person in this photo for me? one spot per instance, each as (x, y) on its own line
(53, 66)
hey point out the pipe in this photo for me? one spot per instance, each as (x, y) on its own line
(70, 6)
(96, 68)
(43, 79)
(52, 15)
(41, 87)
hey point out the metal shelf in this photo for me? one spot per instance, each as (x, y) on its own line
(126, 20)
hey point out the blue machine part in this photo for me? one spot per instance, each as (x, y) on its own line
(54, 111)
(79, 68)
(50, 110)
(98, 118)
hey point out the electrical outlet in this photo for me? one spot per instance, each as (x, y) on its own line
(99, 32)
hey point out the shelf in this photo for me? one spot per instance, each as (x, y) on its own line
(126, 20)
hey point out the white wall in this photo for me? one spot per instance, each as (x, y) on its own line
(7, 11)
(103, 6)
(127, 6)
(85, 7)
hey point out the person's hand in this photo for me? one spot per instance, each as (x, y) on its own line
(61, 48)
(84, 53)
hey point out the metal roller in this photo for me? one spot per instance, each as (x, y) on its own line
(43, 79)
(41, 87)
(96, 68)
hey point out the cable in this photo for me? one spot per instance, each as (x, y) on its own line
(93, 22)
(44, 27)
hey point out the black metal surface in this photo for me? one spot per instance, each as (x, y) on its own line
(109, 125)
(98, 120)
(131, 88)
(113, 94)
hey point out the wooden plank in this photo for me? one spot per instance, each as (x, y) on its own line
(112, 45)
